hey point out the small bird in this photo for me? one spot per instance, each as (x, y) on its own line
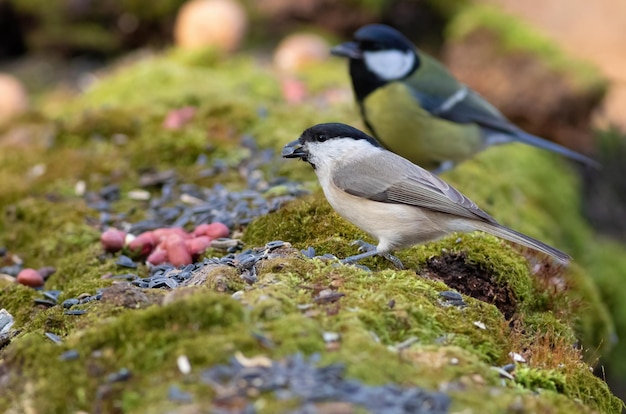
(395, 201)
(417, 109)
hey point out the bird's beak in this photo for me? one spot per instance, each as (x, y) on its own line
(348, 49)
(294, 150)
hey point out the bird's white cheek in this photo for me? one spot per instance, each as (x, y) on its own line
(390, 64)
(327, 153)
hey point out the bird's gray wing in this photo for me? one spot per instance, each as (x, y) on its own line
(388, 178)
(465, 106)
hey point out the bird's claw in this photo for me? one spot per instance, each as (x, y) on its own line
(363, 246)
(394, 260)
(369, 250)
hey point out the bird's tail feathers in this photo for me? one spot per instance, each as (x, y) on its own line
(535, 141)
(519, 238)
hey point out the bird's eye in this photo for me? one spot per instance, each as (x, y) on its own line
(371, 46)
(322, 137)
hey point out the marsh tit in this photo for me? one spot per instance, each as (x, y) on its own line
(395, 201)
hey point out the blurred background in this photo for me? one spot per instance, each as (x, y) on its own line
(558, 71)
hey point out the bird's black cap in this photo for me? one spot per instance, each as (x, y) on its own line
(333, 130)
(381, 37)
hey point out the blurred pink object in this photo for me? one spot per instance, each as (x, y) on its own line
(13, 98)
(299, 51)
(178, 118)
(294, 91)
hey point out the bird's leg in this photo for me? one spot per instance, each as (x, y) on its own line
(369, 251)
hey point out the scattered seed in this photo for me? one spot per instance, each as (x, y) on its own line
(480, 325)
(12, 270)
(300, 378)
(6, 321)
(45, 302)
(125, 261)
(51, 294)
(122, 375)
(75, 312)
(46, 272)
(249, 276)
(328, 296)
(326, 256)
(263, 340)
(517, 357)
(509, 367)
(180, 204)
(68, 303)
(452, 298)
(176, 394)
(274, 244)
(70, 355)
(124, 276)
(406, 343)
(139, 195)
(330, 336)
(308, 252)
(254, 362)
(79, 188)
(238, 295)
(171, 283)
(503, 373)
(87, 299)
(451, 295)
(110, 192)
(54, 338)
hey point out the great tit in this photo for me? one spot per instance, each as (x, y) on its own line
(395, 201)
(417, 109)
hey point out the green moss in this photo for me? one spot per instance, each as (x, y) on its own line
(607, 265)
(147, 341)
(42, 231)
(592, 321)
(18, 300)
(305, 222)
(583, 386)
(541, 324)
(491, 256)
(224, 279)
(539, 380)
(515, 35)
(182, 81)
(576, 385)
(141, 341)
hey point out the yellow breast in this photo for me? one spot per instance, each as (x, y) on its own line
(410, 131)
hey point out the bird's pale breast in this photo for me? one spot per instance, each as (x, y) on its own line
(394, 226)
